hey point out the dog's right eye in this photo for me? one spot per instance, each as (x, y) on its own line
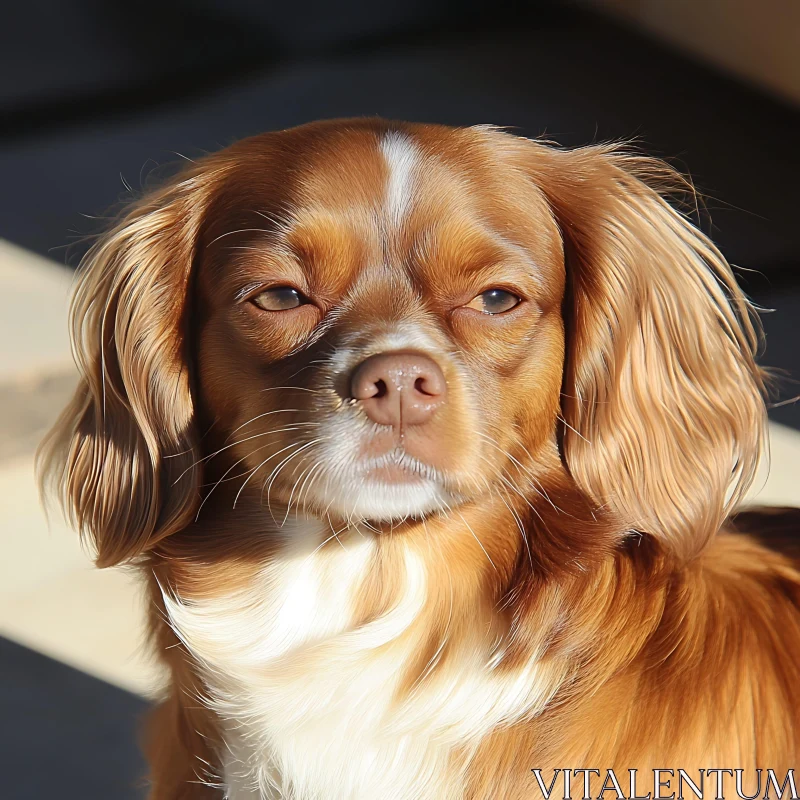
(280, 298)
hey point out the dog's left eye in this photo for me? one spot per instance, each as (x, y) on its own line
(280, 298)
(494, 301)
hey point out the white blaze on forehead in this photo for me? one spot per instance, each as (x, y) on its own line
(402, 157)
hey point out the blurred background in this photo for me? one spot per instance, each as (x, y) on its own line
(99, 99)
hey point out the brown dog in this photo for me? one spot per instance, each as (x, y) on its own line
(425, 440)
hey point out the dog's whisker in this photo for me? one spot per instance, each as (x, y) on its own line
(576, 432)
(535, 485)
(257, 468)
(291, 494)
(534, 482)
(295, 426)
(292, 389)
(280, 467)
(317, 469)
(205, 499)
(265, 414)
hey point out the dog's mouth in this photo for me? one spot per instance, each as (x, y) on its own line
(397, 467)
(384, 487)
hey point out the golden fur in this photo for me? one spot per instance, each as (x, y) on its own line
(564, 588)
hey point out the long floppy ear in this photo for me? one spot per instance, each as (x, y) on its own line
(662, 398)
(121, 455)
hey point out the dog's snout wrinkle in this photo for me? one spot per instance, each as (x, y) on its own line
(399, 388)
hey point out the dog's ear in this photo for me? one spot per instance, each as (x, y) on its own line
(663, 402)
(121, 456)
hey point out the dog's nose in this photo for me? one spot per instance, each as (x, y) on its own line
(399, 388)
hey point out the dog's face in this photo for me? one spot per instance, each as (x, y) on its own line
(379, 322)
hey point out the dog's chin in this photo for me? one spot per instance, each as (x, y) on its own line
(384, 491)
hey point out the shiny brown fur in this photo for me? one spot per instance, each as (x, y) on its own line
(597, 437)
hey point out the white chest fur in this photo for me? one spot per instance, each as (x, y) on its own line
(308, 699)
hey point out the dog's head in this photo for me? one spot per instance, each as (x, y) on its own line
(380, 321)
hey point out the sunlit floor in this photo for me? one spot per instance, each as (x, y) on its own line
(51, 599)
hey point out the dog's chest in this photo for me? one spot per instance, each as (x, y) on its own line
(318, 706)
(304, 695)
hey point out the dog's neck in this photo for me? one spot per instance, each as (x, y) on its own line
(492, 551)
(439, 629)
(478, 577)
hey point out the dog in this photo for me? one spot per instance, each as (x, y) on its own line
(427, 442)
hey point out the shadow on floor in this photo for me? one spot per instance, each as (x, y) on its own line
(65, 734)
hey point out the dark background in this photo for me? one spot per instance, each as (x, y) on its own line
(100, 98)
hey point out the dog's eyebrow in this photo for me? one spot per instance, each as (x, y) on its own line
(508, 251)
(520, 252)
(486, 248)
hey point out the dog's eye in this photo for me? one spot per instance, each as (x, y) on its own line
(280, 298)
(494, 301)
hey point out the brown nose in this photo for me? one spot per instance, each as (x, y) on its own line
(399, 388)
